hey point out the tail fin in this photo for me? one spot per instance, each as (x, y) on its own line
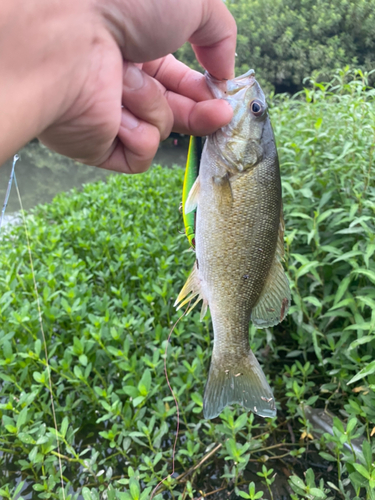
(242, 382)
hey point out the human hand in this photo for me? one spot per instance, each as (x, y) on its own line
(97, 43)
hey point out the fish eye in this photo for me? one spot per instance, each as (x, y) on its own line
(256, 107)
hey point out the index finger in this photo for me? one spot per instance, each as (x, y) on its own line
(179, 78)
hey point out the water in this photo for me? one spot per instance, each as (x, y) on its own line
(42, 174)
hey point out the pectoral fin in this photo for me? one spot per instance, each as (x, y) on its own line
(223, 191)
(192, 199)
(274, 301)
(190, 290)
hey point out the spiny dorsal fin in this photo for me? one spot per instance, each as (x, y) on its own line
(274, 301)
(190, 290)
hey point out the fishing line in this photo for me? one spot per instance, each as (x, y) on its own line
(15, 159)
(175, 401)
(40, 317)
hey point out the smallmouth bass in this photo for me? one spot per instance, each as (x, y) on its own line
(239, 239)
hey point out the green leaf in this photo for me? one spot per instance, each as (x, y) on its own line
(22, 417)
(317, 493)
(86, 494)
(363, 340)
(38, 487)
(137, 401)
(11, 429)
(78, 372)
(131, 391)
(37, 347)
(243, 494)
(343, 286)
(306, 268)
(19, 488)
(26, 438)
(327, 456)
(240, 422)
(351, 424)
(367, 370)
(83, 359)
(197, 398)
(365, 272)
(64, 426)
(297, 481)
(134, 488)
(310, 477)
(364, 472)
(347, 256)
(145, 383)
(360, 326)
(39, 377)
(366, 450)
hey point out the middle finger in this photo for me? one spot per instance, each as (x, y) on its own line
(144, 98)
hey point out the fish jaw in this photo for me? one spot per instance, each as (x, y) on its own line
(221, 89)
(241, 143)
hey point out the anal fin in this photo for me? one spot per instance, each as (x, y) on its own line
(190, 291)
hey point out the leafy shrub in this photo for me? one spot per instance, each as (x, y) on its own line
(285, 40)
(109, 262)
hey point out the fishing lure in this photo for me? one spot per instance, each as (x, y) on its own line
(191, 173)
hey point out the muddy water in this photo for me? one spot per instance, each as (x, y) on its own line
(42, 174)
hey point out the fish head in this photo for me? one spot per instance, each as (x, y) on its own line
(248, 138)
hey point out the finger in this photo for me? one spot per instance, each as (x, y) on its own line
(179, 78)
(214, 43)
(144, 32)
(144, 97)
(202, 118)
(135, 147)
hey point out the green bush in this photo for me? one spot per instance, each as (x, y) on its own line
(109, 262)
(285, 40)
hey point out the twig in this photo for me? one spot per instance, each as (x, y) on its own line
(292, 436)
(178, 479)
(274, 457)
(59, 455)
(274, 446)
(196, 466)
(215, 491)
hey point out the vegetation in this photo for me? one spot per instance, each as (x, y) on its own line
(285, 40)
(109, 262)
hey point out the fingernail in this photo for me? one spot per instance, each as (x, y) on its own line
(128, 120)
(133, 78)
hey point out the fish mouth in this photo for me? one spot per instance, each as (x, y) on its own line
(223, 88)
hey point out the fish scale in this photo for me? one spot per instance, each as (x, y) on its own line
(239, 246)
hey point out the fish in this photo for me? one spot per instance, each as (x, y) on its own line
(239, 244)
